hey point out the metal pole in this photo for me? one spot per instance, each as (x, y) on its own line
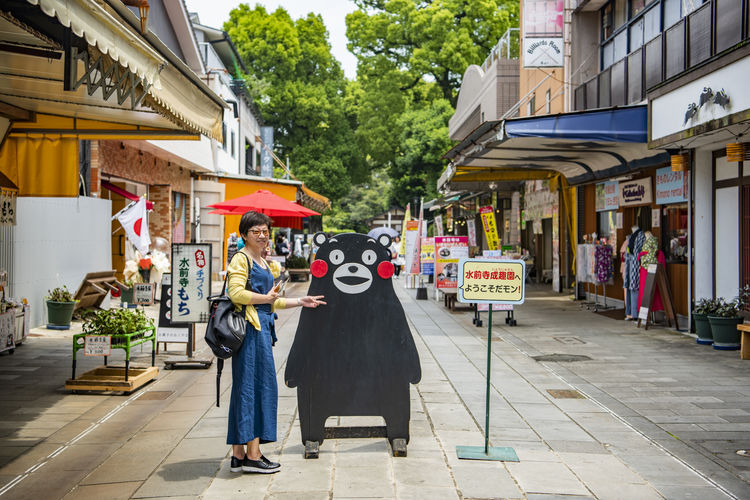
(487, 401)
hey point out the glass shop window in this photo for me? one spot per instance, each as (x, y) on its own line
(606, 227)
(674, 232)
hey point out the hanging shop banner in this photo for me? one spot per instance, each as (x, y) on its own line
(438, 225)
(427, 256)
(671, 187)
(515, 216)
(168, 331)
(411, 236)
(542, 33)
(448, 251)
(7, 207)
(490, 227)
(471, 229)
(191, 265)
(636, 192)
(607, 196)
(491, 281)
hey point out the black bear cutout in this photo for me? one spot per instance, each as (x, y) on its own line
(354, 356)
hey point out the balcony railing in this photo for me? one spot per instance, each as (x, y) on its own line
(712, 28)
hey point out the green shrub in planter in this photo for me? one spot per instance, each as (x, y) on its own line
(702, 310)
(724, 320)
(296, 262)
(60, 305)
(116, 322)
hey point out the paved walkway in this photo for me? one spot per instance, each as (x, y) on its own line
(654, 416)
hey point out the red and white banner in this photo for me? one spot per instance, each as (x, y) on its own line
(135, 224)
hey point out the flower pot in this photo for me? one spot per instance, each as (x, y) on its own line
(126, 295)
(703, 329)
(724, 331)
(60, 313)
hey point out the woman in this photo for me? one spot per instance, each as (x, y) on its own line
(396, 259)
(252, 408)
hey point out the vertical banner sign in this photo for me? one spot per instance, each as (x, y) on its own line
(671, 187)
(266, 160)
(490, 227)
(542, 33)
(448, 251)
(608, 196)
(515, 217)
(168, 331)
(411, 235)
(7, 207)
(191, 266)
(472, 230)
(427, 256)
(438, 225)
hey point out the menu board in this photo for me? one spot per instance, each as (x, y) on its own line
(448, 251)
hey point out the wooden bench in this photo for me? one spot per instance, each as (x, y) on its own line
(744, 330)
(299, 273)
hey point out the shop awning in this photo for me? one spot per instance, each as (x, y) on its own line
(114, 73)
(583, 146)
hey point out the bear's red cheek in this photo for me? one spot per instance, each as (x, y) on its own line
(385, 270)
(319, 268)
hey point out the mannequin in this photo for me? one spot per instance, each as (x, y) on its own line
(632, 272)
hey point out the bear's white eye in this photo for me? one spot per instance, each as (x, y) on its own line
(336, 257)
(369, 257)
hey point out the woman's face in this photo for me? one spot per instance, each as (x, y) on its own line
(257, 237)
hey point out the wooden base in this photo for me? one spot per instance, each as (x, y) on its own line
(110, 378)
(744, 340)
(187, 362)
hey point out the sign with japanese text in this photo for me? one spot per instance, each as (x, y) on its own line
(448, 251)
(7, 207)
(191, 283)
(427, 256)
(607, 196)
(438, 225)
(671, 187)
(97, 345)
(490, 227)
(471, 229)
(636, 192)
(412, 236)
(167, 331)
(496, 281)
(7, 330)
(143, 294)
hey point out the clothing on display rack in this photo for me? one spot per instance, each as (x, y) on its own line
(604, 268)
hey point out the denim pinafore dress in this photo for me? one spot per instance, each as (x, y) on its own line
(254, 401)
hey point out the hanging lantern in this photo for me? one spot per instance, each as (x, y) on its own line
(142, 11)
(738, 151)
(680, 162)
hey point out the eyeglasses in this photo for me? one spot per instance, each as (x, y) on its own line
(258, 232)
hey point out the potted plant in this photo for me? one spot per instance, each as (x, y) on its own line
(702, 310)
(297, 267)
(126, 292)
(60, 305)
(116, 322)
(724, 320)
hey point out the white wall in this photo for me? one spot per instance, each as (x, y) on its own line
(727, 242)
(56, 242)
(703, 236)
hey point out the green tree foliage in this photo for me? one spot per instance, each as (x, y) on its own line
(411, 57)
(363, 202)
(301, 91)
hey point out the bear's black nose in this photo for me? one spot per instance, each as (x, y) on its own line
(352, 269)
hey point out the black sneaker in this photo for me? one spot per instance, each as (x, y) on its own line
(262, 466)
(237, 463)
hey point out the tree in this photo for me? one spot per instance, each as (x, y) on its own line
(363, 202)
(301, 91)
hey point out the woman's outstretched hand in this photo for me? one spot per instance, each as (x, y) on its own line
(311, 301)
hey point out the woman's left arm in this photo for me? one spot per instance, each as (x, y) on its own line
(306, 301)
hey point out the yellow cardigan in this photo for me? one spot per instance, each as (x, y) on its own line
(238, 274)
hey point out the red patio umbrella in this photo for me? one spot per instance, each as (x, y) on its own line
(264, 202)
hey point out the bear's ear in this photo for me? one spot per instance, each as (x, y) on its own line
(384, 240)
(319, 239)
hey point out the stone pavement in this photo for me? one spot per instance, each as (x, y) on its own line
(650, 415)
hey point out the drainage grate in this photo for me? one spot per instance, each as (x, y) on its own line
(565, 394)
(561, 358)
(155, 395)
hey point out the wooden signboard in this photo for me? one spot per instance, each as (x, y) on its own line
(656, 277)
(94, 288)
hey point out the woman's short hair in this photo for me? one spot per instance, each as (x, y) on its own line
(252, 219)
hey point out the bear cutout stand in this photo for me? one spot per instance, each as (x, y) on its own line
(354, 356)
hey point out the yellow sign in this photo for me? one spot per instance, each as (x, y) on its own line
(491, 281)
(490, 227)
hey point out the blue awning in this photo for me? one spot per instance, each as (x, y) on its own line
(584, 146)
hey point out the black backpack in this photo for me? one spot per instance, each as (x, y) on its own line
(225, 331)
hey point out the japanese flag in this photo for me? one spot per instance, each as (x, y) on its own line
(135, 224)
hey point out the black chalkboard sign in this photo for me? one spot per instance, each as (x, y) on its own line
(656, 277)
